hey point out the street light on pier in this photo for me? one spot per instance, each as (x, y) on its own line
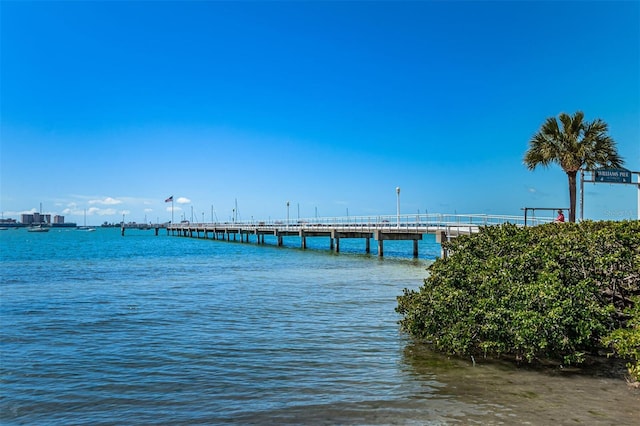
(398, 206)
(287, 215)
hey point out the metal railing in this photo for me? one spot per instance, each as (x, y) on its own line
(418, 223)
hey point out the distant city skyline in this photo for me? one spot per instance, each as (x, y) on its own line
(112, 107)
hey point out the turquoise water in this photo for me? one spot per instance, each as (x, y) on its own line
(103, 329)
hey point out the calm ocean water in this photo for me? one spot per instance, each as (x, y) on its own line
(103, 329)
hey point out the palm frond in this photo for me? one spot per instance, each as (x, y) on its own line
(550, 128)
(599, 148)
(542, 148)
(577, 121)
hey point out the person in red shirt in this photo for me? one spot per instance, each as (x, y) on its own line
(560, 217)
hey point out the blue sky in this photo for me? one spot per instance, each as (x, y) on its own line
(114, 106)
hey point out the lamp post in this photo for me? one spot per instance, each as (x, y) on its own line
(398, 206)
(287, 215)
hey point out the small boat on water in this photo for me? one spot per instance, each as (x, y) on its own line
(38, 228)
(86, 228)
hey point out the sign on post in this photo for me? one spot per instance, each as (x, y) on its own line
(612, 175)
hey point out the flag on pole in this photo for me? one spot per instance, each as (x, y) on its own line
(168, 200)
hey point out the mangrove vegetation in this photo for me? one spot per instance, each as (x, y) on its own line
(560, 292)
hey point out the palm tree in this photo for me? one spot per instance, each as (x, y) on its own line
(575, 145)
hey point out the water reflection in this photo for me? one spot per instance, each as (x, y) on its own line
(502, 393)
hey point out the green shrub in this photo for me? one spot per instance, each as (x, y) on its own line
(626, 341)
(551, 291)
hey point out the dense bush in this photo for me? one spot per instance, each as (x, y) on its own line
(626, 341)
(546, 292)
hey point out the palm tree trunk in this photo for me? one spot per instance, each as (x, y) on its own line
(572, 196)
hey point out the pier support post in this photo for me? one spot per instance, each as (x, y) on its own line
(331, 243)
(367, 248)
(122, 231)
(441, 236)
(380, 248)
(156, 229)
(337, 244)
(415, 249)
(279, 240)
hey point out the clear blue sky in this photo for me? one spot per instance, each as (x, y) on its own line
(114, 106)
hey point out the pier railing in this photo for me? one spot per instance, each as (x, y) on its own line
(380, 228)
(419, 223)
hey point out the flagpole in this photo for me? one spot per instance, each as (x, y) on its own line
(172, 210)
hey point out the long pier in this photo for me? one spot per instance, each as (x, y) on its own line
(379, 228)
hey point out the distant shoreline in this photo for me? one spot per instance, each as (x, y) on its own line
(47, 225)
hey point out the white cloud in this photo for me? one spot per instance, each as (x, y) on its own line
(533, 190)
(101, 212)
(91, 211)
(148, 210)
(183, 200)
(106, 212)
(9, 214)
(175, 209)
(107, 201)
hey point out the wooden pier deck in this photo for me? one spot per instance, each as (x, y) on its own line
(380, 228)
